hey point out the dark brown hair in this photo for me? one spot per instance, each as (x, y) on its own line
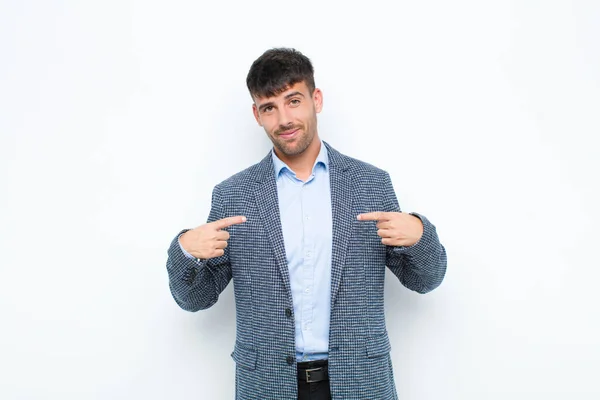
(276, 70)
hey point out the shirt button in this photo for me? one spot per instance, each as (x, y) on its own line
(288, 312)
(289, 360)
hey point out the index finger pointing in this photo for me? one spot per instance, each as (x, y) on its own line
(225, 222)
(373, 216)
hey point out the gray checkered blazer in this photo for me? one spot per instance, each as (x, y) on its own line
(359, 361)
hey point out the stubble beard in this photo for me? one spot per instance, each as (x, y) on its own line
(296, 147)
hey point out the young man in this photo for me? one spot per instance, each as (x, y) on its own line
(306, 235)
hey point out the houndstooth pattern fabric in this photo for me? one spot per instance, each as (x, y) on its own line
(359, 349)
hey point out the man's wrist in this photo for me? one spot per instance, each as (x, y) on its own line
(182, 247)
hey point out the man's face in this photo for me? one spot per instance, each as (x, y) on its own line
(290, 118)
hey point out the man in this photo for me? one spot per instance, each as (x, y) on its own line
(305, 234)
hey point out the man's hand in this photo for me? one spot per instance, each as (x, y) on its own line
(209, 240)
(395, 228)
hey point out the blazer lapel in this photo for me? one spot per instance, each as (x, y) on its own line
(268, 207)
(341, 208)
(342, 218)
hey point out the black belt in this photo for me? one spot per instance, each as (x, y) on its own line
(313, 371)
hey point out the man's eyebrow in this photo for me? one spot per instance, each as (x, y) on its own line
(287, 96)
(263, 106)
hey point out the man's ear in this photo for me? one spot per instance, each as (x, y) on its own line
(318, 99)
(255, 112)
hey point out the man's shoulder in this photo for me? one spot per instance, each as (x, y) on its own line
(358, 167)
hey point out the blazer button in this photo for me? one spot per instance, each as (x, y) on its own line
(289, 360)
(288, 313)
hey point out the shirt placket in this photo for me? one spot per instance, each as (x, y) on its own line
(307, 272)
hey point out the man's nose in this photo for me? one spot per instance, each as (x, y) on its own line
(284, 118)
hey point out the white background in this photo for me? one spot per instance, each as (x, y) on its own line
(118, 117)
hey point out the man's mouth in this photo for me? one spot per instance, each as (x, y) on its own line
(289, 134)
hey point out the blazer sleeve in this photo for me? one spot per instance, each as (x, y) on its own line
(422, 266)
(196, 284)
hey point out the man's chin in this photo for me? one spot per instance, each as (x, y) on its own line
(290, 149)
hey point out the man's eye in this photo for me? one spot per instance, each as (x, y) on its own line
(268, 109)
(295, 101)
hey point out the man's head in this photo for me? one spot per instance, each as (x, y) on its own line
(286, 102)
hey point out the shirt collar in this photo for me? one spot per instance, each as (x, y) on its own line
(322, 159)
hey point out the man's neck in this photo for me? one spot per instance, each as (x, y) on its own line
(302, 164)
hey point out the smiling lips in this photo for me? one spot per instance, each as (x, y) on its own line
(288, 134)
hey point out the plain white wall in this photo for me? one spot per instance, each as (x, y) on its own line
(118, 117)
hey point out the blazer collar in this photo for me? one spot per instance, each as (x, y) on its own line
(265, 168)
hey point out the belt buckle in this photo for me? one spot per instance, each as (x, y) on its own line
(308, 371)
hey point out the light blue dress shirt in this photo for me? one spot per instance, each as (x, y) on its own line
(306, 222)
